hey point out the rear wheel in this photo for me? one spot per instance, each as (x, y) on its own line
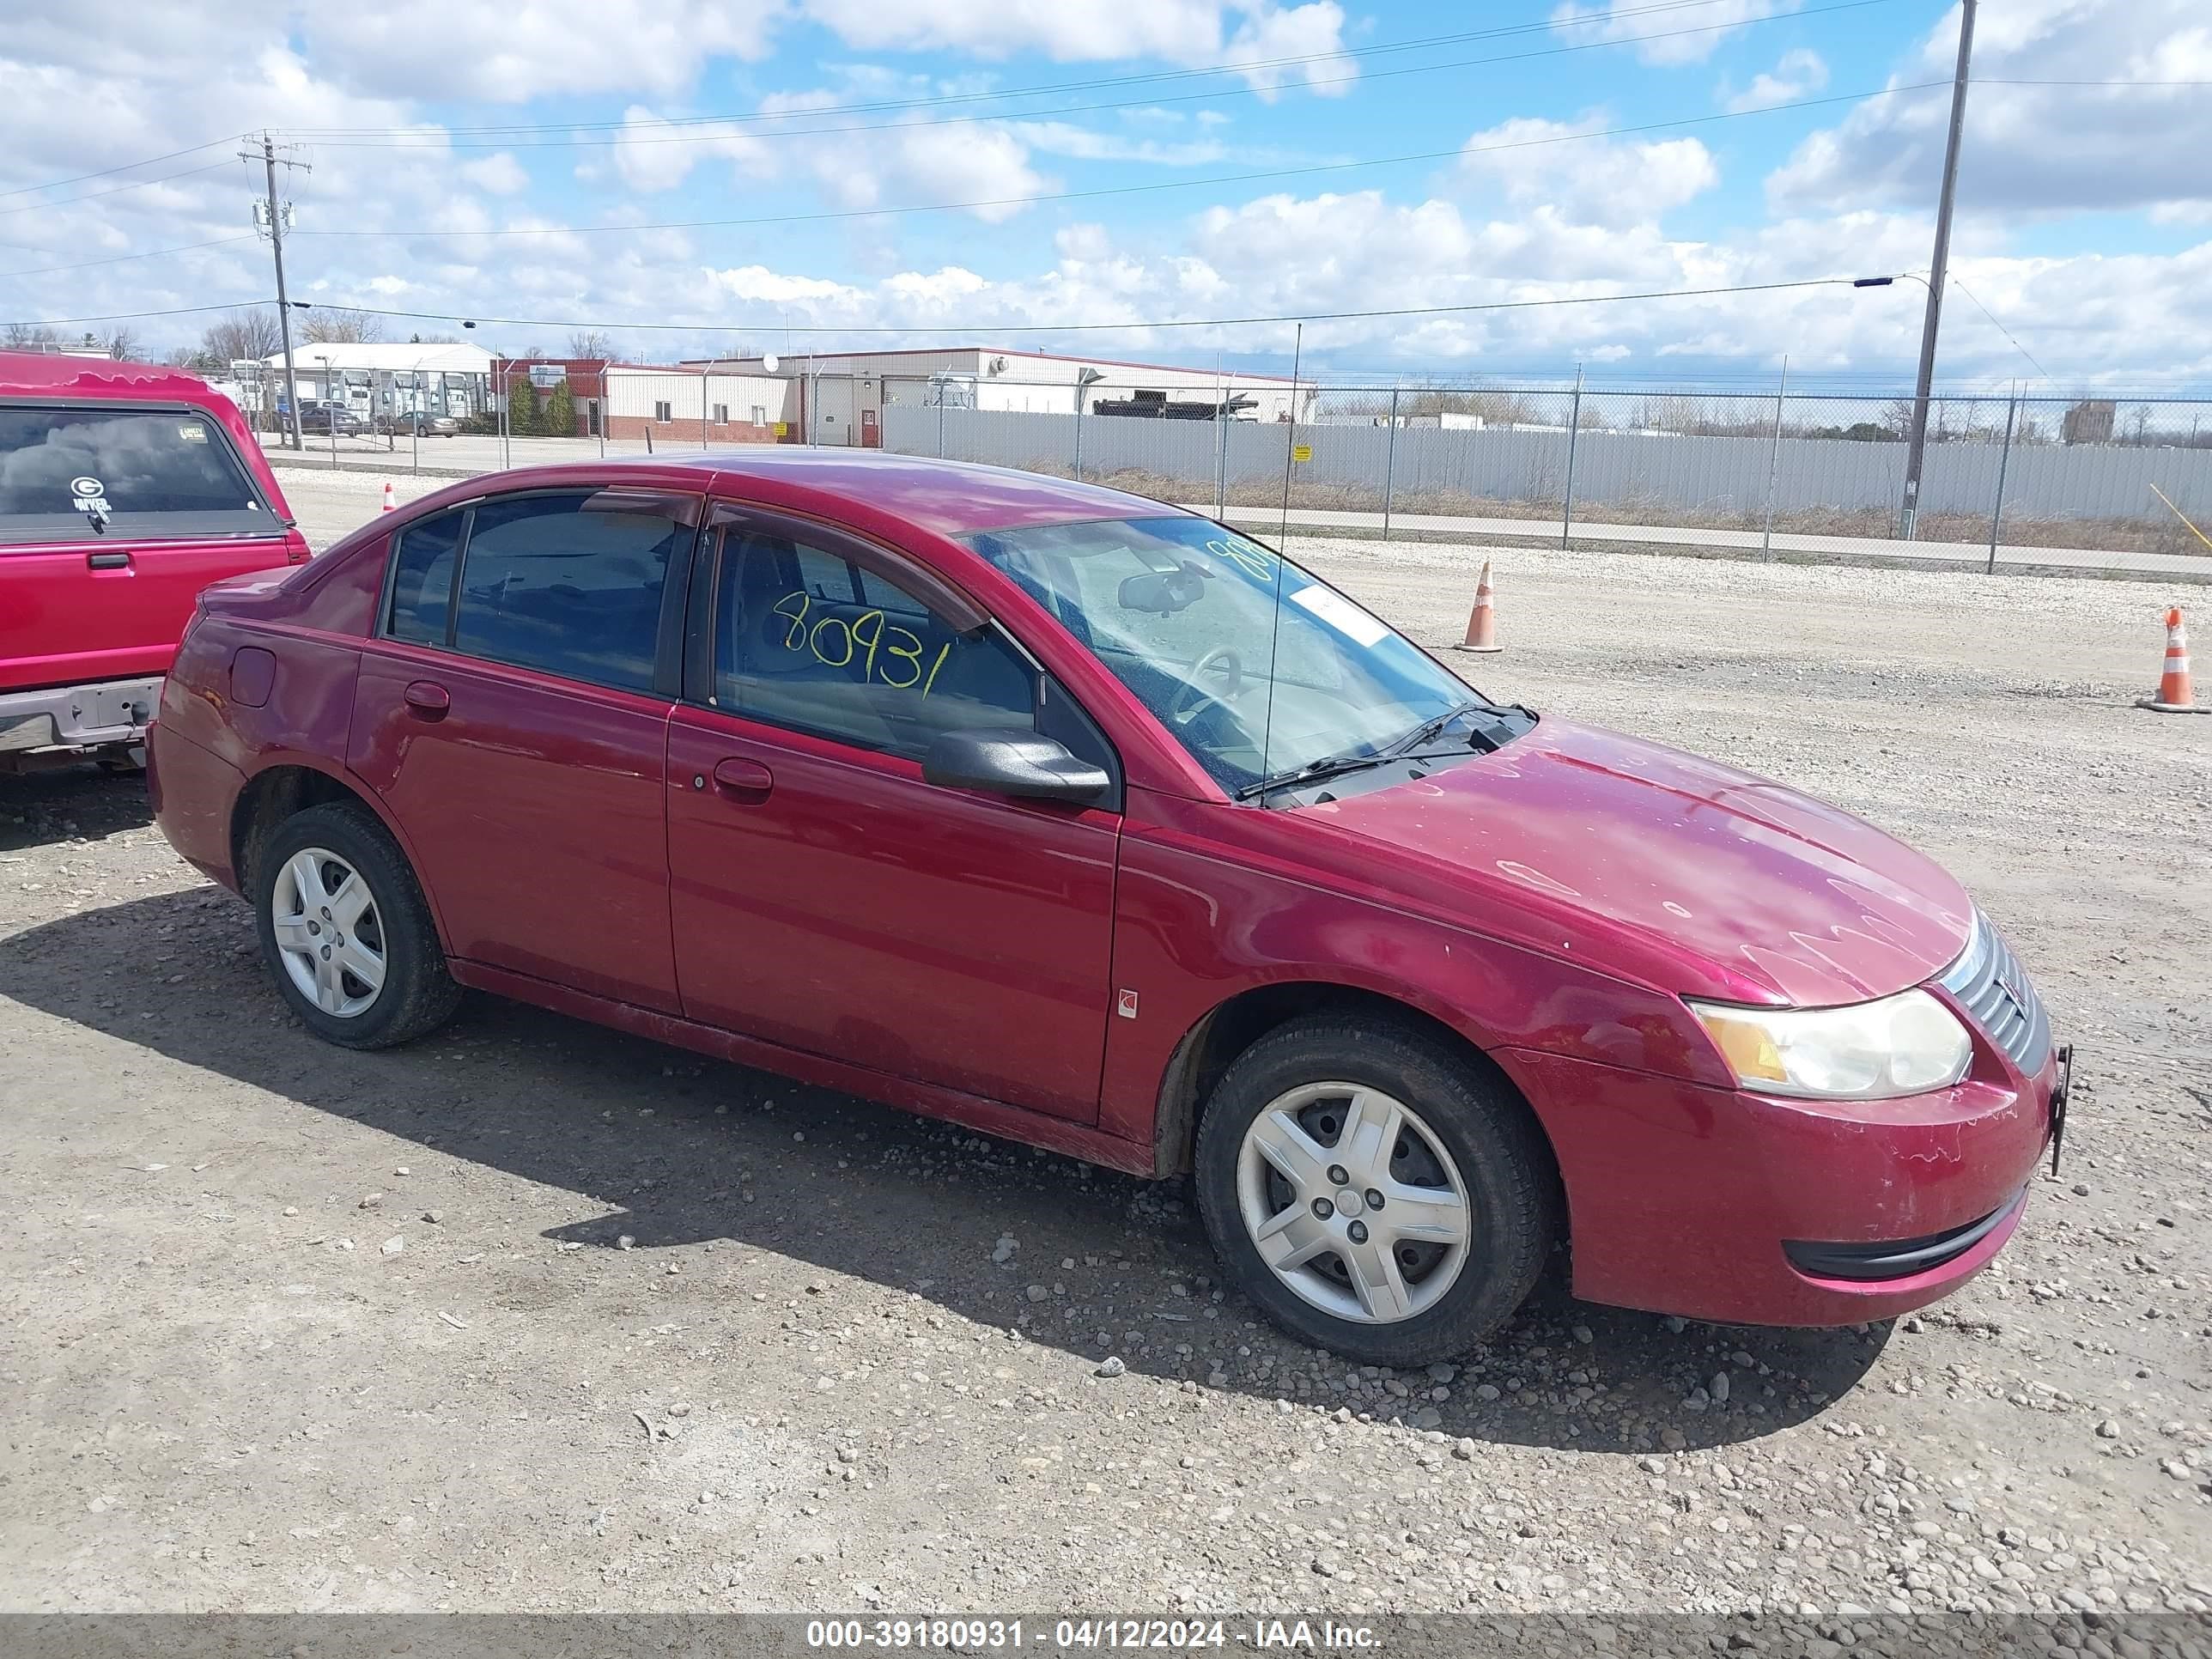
(345, 931)
(1376, 1194)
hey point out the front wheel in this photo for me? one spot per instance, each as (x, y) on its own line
(345, 932)
(1375, 1193)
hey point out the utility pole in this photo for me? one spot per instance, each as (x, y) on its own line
(1916, 454)
(272, 217)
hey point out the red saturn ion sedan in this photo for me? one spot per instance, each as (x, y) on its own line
(1077, 818)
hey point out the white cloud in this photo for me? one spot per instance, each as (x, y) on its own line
(2033, 149)
(1550, 165)
(1799, 73)
(499, 173)
(1087, 144)
(509, 54)
(652, 153)
(1681, 37)
(1199, 33)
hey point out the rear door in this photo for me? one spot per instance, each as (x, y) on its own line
(114, 516)
(510, 713)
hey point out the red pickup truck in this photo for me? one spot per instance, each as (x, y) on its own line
(125, 489)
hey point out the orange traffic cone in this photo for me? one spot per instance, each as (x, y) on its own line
(389, 504)
(2175, 695)
(1482, 621)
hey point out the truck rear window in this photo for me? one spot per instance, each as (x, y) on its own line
(71, 472)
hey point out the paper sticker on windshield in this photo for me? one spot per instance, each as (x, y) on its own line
(90, 496)
(1340, 614)
(193, 433)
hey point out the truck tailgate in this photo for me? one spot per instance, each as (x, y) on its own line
(77, 612)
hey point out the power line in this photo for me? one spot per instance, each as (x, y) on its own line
(1999, 81)
(117, 259)
(95, 195)
(2001, 329)
(1158, 184)
(107, 172)
(469, 320)
(1047, 89)
(622, 136)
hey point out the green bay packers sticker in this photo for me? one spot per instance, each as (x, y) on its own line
(90, 496)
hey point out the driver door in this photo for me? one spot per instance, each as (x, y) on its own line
(825, 896)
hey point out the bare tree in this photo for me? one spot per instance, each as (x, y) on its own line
(122, 341)
(236, 336)
(29, 337)
(340, 327)
(590, 343)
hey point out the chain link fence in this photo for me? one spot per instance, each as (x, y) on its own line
(2022, 472)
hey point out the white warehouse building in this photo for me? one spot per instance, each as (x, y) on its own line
(838, 397)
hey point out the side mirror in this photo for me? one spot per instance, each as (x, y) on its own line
(1011, 760)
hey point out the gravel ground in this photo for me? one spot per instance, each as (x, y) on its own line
(536, 1315)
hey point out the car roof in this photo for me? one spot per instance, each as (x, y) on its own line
(950, 497)
(44, 373)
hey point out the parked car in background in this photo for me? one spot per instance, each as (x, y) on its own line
(407, 421)
(1073, 817)
(125, 489)
(331, 417)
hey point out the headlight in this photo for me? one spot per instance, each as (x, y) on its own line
(1900, 1045)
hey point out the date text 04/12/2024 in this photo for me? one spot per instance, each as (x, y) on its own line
(1166, 1635)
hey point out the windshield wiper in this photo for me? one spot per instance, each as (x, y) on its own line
(1430, 730)
(1336, 766)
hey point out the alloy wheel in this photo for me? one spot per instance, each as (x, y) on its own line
(1353, 1202)
(328, 931)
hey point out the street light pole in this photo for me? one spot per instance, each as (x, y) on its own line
(1908, 518)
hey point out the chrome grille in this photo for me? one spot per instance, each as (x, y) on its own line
(1992, 987)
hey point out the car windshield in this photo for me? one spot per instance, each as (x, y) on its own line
(1185, 613)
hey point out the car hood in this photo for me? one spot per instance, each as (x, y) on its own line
(1669, 868)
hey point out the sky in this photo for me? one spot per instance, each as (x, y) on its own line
(782, 174)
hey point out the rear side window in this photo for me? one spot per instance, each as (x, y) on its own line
(84, 472)
(546, 584)
(423, 579)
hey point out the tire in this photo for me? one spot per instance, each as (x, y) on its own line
(1458, 1131)
(415, 994)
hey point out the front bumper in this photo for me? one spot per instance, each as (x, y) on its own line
(93, 716)
(1724, 1205)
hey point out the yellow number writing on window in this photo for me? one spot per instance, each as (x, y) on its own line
(797, 631)
(883, 641)
(910, 653)
(1245, 556)
(814, 642)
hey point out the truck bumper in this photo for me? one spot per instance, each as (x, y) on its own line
(68, 718)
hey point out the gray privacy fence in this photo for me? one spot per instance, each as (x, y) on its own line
(2070, 472)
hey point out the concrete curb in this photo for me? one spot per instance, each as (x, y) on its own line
(1272, 528)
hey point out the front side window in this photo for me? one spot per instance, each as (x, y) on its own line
(1186, 615)
(810, 640)
(550, 582)
(77, 472)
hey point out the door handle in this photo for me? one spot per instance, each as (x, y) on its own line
(743, 780)
(426, 701)
(108, 560)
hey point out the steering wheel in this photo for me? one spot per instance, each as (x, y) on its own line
(1220, 660)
